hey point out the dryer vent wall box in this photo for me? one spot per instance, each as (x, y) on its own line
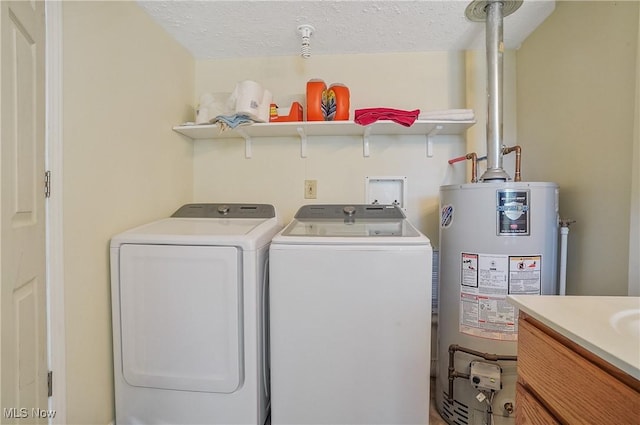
(386, 190)
(184, 291)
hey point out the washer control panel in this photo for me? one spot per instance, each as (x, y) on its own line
(225, 211)
(320, 211)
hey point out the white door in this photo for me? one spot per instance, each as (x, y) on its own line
(23, 368)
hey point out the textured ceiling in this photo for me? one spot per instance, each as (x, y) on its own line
(215, 29)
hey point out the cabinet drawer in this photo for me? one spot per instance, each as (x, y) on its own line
(574, 389)
(529, 411)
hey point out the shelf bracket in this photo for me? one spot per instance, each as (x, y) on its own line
(365, 141)
(303, 142)
(434, 132)
(248, 152)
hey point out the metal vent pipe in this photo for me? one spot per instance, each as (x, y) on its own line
(492, 12)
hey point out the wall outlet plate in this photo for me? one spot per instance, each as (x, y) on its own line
(310, 189)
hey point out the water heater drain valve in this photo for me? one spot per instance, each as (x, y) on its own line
(485, 376)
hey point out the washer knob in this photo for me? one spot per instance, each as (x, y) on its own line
(223, 209)
(350, 211)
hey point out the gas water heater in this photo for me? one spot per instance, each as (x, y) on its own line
(498, 237)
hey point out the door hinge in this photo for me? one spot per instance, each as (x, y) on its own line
(47, 184)
(50, 383)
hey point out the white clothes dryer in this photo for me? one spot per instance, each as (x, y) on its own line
(350, 295)
(190, 320)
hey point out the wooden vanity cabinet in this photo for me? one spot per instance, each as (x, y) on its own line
(559, 382)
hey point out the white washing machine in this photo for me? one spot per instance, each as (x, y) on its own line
(190, 323)
(350, 297)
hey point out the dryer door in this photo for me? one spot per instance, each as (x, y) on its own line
(180, 309)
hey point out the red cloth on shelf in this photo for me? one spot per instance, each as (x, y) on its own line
(370, 115)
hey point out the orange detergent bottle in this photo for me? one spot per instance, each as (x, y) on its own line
(315, 90)
(341, 95)
(324, 104)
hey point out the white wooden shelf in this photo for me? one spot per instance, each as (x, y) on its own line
(305, 129)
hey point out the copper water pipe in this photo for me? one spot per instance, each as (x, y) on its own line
(474, 166)
(518, 151)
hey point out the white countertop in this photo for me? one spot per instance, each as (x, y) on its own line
(609, 327)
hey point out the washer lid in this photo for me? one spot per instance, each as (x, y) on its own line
(248, 233)
(346, 228)
(247, 226)
(201, 227)
(350, 221)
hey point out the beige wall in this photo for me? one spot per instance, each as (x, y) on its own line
(634, 216)
(276, 173)
(125, 84)
(576, 76)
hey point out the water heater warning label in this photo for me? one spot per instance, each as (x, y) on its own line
(525, 275)
(485, 282)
